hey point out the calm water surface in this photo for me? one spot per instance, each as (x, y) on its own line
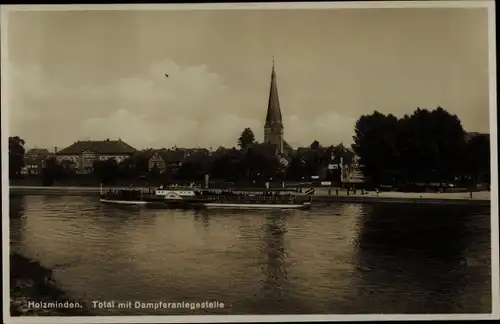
(339, 258)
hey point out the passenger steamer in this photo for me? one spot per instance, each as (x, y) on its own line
(171, 196)
(188, 198)
(242, 200)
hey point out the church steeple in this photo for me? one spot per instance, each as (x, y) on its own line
(273, 117)
(273, 128)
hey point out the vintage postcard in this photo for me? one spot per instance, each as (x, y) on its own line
(249, 162)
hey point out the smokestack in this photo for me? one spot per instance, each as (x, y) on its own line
(55, 149)
(206, 180)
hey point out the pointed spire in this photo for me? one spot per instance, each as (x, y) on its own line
(273, 116)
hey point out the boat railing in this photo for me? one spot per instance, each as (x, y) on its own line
(120, 192)
(252, 198)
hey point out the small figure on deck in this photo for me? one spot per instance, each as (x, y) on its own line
(377, 190)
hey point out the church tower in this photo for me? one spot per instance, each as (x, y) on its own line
(273, 128)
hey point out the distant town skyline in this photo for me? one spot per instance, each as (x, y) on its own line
(77, 75)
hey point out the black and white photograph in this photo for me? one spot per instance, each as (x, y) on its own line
(249, 162)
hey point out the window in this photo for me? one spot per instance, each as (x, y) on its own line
(88, 161)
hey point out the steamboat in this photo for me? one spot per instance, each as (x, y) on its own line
(255, 200)
(190, 198)
(162, 197)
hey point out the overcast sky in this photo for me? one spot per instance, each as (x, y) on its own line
(100, 74)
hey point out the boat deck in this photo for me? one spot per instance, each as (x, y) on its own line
(206, 199)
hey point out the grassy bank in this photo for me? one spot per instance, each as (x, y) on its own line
(30, 281)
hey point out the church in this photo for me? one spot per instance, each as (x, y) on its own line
(273, 127)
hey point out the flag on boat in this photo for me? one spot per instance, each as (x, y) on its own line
(310, 192)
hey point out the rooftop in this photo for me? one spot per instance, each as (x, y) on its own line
(273, 116)
(100, 147)
(38, 152)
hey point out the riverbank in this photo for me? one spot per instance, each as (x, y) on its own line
(402, 200)
(31, 282)
(481, 198)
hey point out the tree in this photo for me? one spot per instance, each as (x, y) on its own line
(107, 171)
(246, 138)
(127, 169)
(478, 162)
(16, 156)
(155, 170)
(375, 143)
(425, 146)
(191, 170)
(451, 145)
(222, 167)
(67, 169)
(141, 164)
(134, 166)
(228, 165)
(259, 165)
(315, 145)
(51, 171)
(296, 169)
(432, 145)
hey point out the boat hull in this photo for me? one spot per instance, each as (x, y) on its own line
(256, 206)
(211, 205)
(206, 201)
(124, 202)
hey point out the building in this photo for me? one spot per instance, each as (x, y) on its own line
(471, 135)
(162, 159)
(158, 160)
(32, 165)
(83, 154)
(36, 153)
(273, 128)
(33, 161)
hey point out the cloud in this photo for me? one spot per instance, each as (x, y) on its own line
(328, 129)
(194, 106)
(139, 130)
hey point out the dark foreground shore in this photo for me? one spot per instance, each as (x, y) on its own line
(33, 291)
(481, 198)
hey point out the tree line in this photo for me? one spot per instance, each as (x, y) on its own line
(426, 146)
(247, 163)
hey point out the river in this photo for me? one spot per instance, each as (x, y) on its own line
(332, 259)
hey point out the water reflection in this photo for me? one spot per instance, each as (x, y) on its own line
(203, 216)
(274, 268)
(408, 251)
(344, 258)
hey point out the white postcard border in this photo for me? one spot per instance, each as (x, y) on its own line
(490, 5)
